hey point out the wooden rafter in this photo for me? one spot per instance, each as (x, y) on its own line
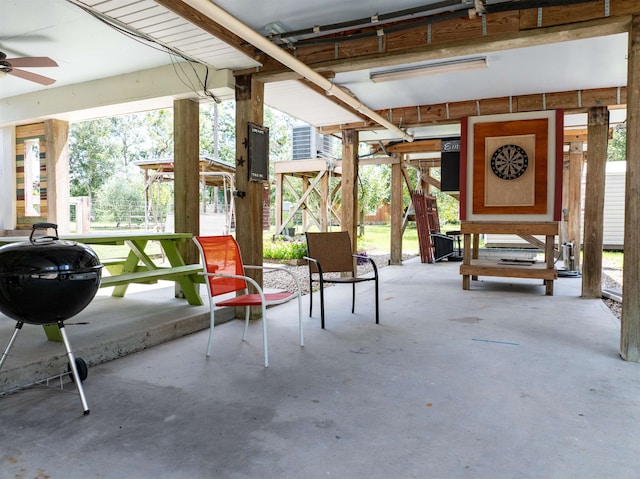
(430, 40)
(423, 115)
(192, 15)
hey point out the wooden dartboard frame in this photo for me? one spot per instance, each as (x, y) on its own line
(530, 195)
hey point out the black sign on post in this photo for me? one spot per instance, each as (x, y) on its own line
(258, 152)
(450, 165)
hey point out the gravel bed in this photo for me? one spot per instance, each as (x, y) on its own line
(612, 279)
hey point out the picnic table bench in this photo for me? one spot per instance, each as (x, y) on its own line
(138, 266)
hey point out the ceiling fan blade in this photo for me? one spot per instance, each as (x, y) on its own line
(31, 62)
(32, 77)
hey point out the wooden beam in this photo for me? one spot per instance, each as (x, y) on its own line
(349, 216)
(575, 101)
(279, 200)
(458, 37)
(576, 135)
(630, 331)
(594, 203)
(324, 203)
(419, 146)
(396, 214)
(192, 15)
(249, 108)
(574, 199)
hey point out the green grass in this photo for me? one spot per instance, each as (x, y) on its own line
(613, 257)
(378, 238)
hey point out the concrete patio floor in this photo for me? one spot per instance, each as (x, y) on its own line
(497, 382)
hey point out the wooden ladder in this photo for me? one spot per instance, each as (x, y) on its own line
(427, 222)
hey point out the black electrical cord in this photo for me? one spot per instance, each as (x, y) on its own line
(152, 43)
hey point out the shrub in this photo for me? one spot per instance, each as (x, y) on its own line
(284, 250)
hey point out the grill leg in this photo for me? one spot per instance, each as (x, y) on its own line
(11, 341)
(74, 368)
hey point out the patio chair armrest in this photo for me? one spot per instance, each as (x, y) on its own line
(315, 262)
(271, 266)
(279, 268)
(368, 258)
(252, 281)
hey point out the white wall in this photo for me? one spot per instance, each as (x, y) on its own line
(7, 178)
(613, 231)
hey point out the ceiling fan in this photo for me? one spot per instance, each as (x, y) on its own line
(11, 66)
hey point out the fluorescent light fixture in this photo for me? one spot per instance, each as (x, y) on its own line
(451, 66)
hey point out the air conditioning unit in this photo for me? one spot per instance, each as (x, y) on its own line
(308, 143)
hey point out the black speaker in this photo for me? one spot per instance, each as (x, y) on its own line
(450, 165)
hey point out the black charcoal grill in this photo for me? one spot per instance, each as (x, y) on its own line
(45, 281)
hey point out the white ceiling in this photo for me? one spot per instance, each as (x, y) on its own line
(86, 49)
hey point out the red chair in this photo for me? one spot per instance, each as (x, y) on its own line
(226, 274)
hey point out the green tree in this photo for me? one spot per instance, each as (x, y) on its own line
(159, 130)
(224, 116)
(91, 156)
(280, 132)
(373, 187)
(121, 197)
(128, 133)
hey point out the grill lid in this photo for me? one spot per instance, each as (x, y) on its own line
(47, 255)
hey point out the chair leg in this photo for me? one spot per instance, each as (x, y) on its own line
(211, 324)
(353, 297)
(247, 316)
(321, 303)
(300, 318)
(310, 295)
(264, 336)
(377, 303)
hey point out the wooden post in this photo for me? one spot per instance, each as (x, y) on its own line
(574, 199)
(305, 204)
(630, 331)
(186, 165)
(57, 151)
(249, 108)
(324, 202)
(349, 216)
(279, 200)
(598, 134)
(396, 213)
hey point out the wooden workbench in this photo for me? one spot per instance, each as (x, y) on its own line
(472, 267)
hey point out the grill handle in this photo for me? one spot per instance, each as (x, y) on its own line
(43, 226)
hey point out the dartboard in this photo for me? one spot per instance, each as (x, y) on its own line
(509, 162)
